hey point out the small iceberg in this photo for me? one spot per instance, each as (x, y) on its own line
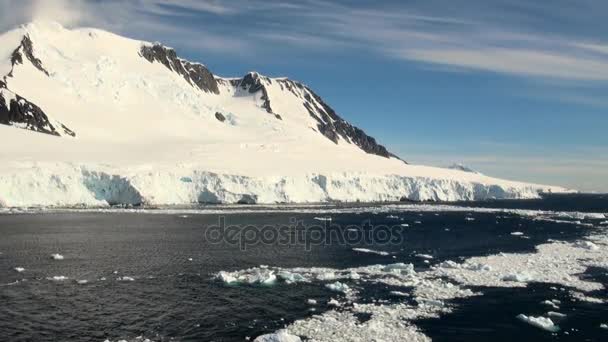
(333, 302)
(125, 278)
(19, 269)
(279, 336)
(424, 256)
(58, 278)
(518, 277)
(323, 218)
(57, 256)
(370, 251)
(338, 287)
(588, 245)
(539, 322)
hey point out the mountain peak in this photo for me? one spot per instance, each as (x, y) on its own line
(42, 25)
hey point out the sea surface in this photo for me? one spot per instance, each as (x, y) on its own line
(151, 275)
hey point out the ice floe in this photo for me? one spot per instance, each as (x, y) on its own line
(279, 336)
(57, 256)
(554, 303)
(424, 256)
(518, 277)
(556, 262)
(370, 251)
(587, 245)
(58, 278)
(125, 278)
(19, 269)
(339, 287)
(333, 302)
(323, 218)
(539, 322)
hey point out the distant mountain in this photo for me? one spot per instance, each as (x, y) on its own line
(120, 121)
(463, 168)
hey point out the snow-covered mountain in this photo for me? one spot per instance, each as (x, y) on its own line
(90, 117)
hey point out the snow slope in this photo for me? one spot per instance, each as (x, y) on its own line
(129, 122)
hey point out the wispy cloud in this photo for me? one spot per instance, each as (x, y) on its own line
(500, 36)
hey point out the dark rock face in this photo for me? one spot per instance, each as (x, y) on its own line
(17, 111)
(254, 83)
(196, 74)
(220, 117)
(329, 123)
(332, 125)
(26, 48)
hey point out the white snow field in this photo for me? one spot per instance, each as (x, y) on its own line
(144, 134)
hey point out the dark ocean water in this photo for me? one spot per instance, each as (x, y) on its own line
(174, 296)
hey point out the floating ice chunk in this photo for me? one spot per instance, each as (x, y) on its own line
(539, 322)
(58, 278)
(587, 245)
(82, 282)
(477, 267)
(190, 259)
(604, 326)
(311, 302)
(250, 276)
(290, 277)
(552, 303)
(469, 218)
(404, 225)
(392, 217)
(279, 336)
(449, 264)
(400, 294)
(323, 218)
(125, 279)
(57, 256)
(604, 223)
(518, 277)
(326, 276)
(424, 256)
(370, 251)
(429, 302)
(19, 269)
(354, 275)
(400, 268)
(556, 315)
(418, 222)
(338, 287)
(333, 302)
(517, 233)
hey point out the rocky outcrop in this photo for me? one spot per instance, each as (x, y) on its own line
(220, 117)
(19, 112)
(254, 82)
(194, 73)
(333, 126)
(329, 123)
(26, 49)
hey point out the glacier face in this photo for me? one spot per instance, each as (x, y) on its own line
(65, 185)
(148, 127)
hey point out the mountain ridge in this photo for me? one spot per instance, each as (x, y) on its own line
(130, 122)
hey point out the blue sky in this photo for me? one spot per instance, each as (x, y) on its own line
(516, 89)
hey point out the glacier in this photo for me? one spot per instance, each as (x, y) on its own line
(107, 120)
